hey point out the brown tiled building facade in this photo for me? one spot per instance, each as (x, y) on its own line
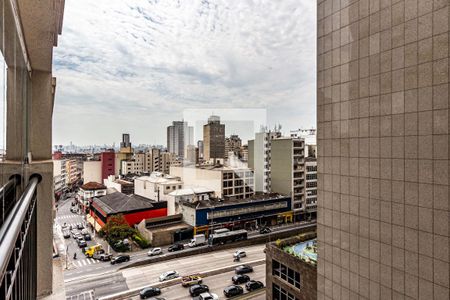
(288, 277)
(383, 160)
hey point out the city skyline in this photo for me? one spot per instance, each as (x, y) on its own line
(164, 58)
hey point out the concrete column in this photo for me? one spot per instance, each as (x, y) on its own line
(40, 118)
(16, 113)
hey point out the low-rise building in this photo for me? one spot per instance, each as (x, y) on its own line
(291, 268)
(162, 231)
(134, 209)
(189, 194)
(157, 186)
(120, 184)
(88, 191)
(225, 181)
(258, 210)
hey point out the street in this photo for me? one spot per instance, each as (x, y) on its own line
(147, 275)
(215, 283)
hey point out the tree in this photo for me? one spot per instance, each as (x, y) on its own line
(117, 229)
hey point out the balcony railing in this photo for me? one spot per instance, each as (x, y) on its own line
(18, 261)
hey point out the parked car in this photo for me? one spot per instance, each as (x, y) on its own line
(154, 251)
(82, 243)
(233, 290)
(149, 292)
(73, 209)
(80, 226)
(87, 237)
(198, 289)
(66, 234)
(120, 258)
(253, 285)
(240, 253)
(175, 247)
(74, 232)
(239, 279)
(168, 275)
(265, 230)
(206, 296)
(243, 269)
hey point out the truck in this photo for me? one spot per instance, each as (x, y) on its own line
(198, 240)
(102, 256)
(191, 280)
(92, 249)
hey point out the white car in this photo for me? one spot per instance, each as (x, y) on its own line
(240, 253)
(168, 275)
(207, 296)
(154, 251)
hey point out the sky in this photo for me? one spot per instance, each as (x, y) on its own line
(136, 66)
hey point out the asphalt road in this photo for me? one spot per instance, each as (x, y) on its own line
(215, 283)
(147, 275)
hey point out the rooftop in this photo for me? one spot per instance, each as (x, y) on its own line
(157, 177)
(306, 251)
(93, 186)
(217, 202)
(118, 203)
(191, 190)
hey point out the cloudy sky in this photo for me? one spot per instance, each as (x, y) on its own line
(134, 66)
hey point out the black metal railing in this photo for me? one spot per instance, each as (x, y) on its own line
(18, 261)
(8, 197)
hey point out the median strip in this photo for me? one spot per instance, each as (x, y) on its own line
(175, 281)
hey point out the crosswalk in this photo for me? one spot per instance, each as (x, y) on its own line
(67, 217)
(85, 262)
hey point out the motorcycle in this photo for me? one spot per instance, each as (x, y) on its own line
(237, 259)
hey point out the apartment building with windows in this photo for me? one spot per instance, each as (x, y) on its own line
(311, 187)
(157, 186)
(383, 132)
(288, 172)
(259, 158)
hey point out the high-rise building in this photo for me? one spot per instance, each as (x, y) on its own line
(108, 163)
(287, 172)
(233, 144)
(259, 154)
(191, 154)
(213, 139)
(125, 145)
(200, 148)
(383, 159)
(179, 135)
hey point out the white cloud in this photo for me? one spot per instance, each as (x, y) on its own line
(136, 65)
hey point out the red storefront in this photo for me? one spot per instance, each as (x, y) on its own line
(134, 208)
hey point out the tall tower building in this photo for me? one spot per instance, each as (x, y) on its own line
(383, 140)
(125, 144)
(213, 139)
(179, 135)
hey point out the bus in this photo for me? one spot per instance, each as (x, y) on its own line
(227, 237)
(221, 230)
